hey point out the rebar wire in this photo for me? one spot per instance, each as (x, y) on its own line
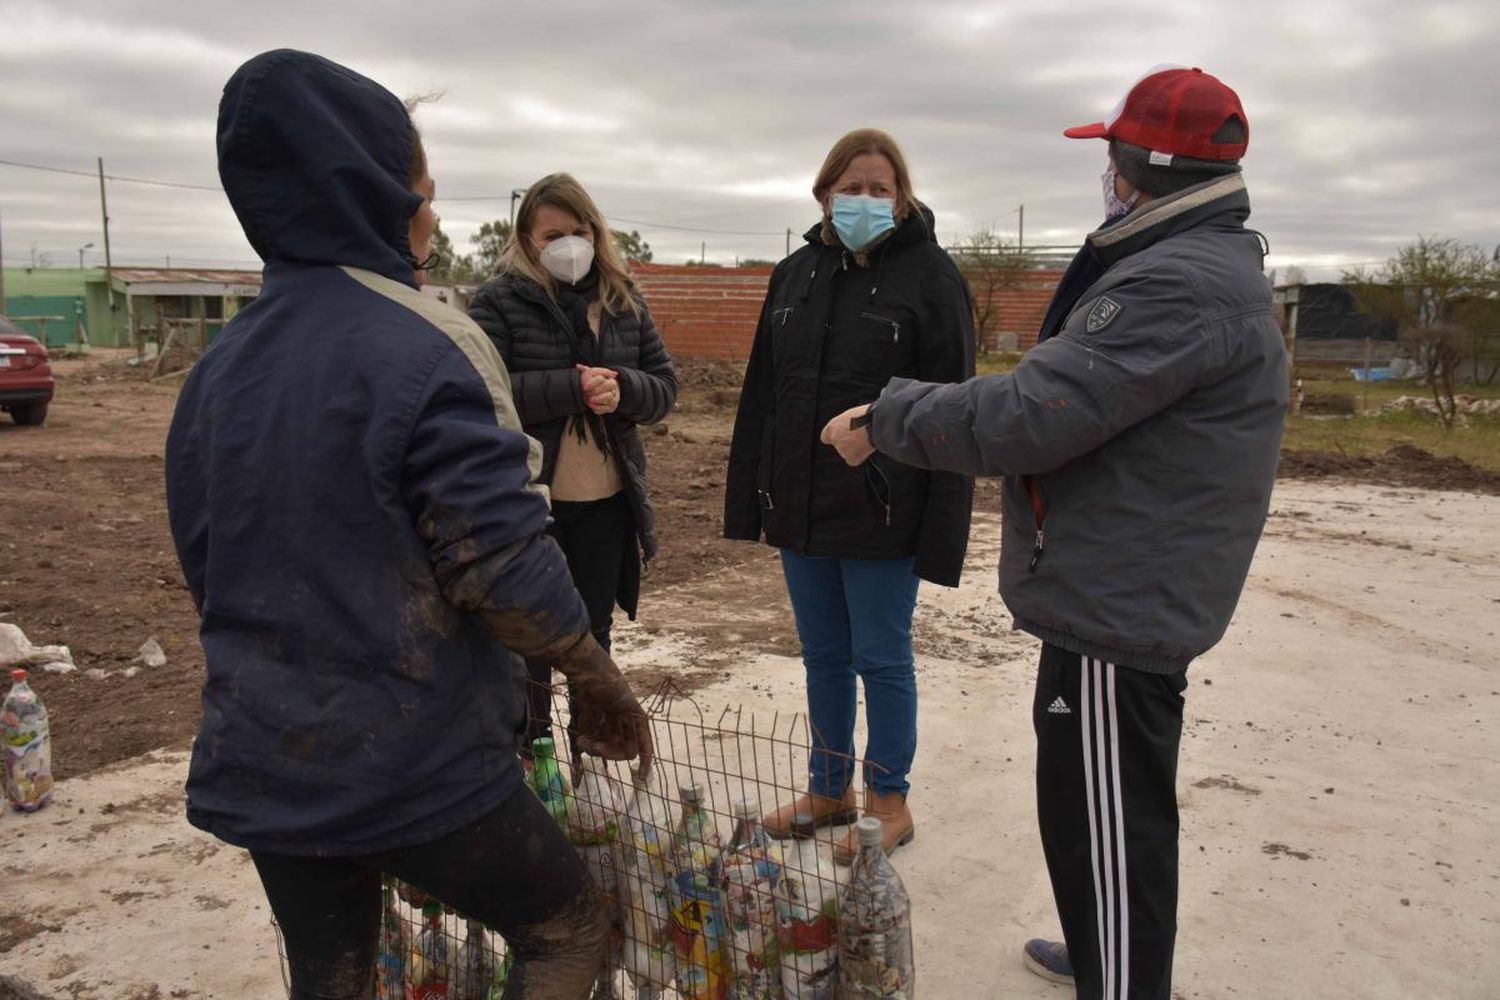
(628, 830)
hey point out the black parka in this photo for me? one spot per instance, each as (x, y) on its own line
(537, 343)
(832, 333)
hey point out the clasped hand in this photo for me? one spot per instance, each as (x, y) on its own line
(601, 388)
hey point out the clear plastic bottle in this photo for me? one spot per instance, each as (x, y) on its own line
(431, 969)
(751, 875)
(390, 964)
(875, 947)
(548, 781)
(648, 954)
(475, 968)
(807, 905)
(27, 746)
(698, 902)
(594, 829)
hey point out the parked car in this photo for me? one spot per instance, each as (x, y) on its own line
(26, 382)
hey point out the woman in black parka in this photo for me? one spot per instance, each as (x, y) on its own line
(587, 366)
(871, 296)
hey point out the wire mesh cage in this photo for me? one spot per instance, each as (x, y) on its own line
(703, 903)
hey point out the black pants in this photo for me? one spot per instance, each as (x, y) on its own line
(598, 539)
(1106, 782)
(512, 870)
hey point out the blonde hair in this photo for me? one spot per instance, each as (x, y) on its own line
(858, 143)
(560, 190)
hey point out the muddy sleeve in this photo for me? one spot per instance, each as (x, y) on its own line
(1114, 364)
(469, 482)
(648, 391)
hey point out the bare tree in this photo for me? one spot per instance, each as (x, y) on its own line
(990, 263)
(1426, 289)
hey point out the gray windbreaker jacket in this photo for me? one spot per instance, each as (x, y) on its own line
(1139, 444)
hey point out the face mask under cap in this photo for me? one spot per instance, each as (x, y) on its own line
(860, 219)
(568, 258)
(1113, 206)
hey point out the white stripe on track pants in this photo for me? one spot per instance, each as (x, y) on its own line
(1106, 780)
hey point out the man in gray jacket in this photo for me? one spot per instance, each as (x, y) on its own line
(1138, 442)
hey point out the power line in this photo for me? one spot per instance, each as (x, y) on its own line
(110, 177)
(691, 229)
(204, 187)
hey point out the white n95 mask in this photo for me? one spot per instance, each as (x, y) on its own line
(568, 258)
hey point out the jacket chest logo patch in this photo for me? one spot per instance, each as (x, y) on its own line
(1103, 313)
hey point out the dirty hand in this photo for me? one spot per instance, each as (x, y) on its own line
(607, 719)
(852, 443)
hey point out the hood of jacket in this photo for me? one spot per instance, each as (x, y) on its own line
(315, 159)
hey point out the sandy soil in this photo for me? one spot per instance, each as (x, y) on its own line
(1338, 775)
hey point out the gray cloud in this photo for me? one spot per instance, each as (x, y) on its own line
(1370, 120)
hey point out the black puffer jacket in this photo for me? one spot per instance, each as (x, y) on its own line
(536, 340)
(831, 334)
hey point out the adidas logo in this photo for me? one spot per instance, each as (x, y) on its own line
(1059, 707)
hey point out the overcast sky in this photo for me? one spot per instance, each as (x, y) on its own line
(1371, 121)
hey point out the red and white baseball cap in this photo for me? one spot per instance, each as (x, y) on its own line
(1175, 111)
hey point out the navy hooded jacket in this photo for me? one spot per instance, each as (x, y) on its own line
(352, 499)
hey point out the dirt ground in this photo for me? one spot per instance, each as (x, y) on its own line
(87, 559)
(1336, 785)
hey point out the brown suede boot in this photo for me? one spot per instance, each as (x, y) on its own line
(805, 814)
(897, 826)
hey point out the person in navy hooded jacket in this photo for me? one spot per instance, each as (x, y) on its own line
(358, 518)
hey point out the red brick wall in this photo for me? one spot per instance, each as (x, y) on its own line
(704, 312)
(1020, 309)
(710, 312)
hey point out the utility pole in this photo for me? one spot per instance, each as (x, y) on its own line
(109, 279)
(2, 277)
(788, 241)
(516, 194)
(703, 253)
(1021, 228)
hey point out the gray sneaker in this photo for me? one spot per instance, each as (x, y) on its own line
(1048, 959)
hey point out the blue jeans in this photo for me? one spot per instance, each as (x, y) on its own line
(854, 620)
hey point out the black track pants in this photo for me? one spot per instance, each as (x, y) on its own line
(1106, 780)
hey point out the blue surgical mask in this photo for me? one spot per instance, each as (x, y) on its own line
(860, 219)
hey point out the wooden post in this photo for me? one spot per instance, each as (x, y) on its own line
(1292, 297)
(109, 280)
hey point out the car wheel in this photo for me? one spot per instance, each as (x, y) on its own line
(30, 415)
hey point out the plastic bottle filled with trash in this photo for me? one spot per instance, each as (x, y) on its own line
(645, 855)
(594, 828)
(752, 872)
(474, 970)
(548, 781)
(875, 949)
(27, 745)
(807, 905)
(501, 977)
(431, 966)
(390, 963)
(697, 899)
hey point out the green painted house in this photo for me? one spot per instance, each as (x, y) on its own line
(56, 304)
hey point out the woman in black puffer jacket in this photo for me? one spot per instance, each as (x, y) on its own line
(586, 366)
(872, 295)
